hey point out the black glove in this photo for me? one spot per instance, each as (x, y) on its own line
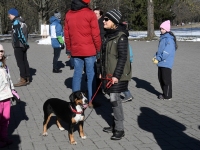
(62, 46)
(26, 46)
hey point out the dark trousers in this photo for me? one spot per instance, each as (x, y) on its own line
(55, 57)
(71, 61)
(165, 79)
(22, 62)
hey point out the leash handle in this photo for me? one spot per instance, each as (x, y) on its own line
(109, 78)
(108, 85)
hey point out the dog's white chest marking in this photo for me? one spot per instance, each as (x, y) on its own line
(78, 117)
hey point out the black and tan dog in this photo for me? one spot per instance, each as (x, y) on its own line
(70, 112)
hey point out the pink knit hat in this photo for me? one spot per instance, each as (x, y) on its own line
(166, 25)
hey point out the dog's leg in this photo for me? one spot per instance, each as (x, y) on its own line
(82, 135)
(59, 125)
(71, 130)
(45, 123)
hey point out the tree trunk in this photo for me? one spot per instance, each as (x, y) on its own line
(0, 26)
(150, 19)
(40, 21)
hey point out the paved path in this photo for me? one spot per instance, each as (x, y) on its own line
(150, 124)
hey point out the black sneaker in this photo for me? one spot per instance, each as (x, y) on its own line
(127, 100)
(161, 97)
(117, 135)
(57, 71)
(108, 129)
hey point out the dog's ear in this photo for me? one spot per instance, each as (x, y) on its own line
(71, 98)
(85, 93)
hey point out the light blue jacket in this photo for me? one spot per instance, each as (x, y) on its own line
(166, 51)
(55, 30)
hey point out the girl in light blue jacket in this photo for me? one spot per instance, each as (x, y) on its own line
(164, 58)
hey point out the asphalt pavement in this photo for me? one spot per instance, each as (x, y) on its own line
(150, 123)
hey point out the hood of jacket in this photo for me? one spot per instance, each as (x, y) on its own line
(18, 18)
(166, 35)
(122, 28)
(53, 18)
(78, 4)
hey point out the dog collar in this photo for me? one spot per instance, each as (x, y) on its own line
(76, 112)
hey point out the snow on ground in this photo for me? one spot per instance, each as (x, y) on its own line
(184, 34)
(45, 41)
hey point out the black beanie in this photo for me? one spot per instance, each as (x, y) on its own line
(114, 15)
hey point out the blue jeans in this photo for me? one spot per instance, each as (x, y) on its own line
(55, 57)
(89, 63)
(127, 94)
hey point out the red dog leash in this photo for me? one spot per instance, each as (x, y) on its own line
(108, 85)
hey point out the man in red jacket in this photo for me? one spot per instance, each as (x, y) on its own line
(83, 42)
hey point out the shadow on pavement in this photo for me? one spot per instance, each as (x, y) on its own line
(105, 110)
(16, 141)
(68, 83)
(67, 63)
(145, 85)
(167, 132)
(32, 73)
(17, 114)
(60, 64)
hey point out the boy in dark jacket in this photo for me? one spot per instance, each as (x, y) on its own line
(57, 42)
(20, 45)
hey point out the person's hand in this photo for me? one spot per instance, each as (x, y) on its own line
(26, 46)
(98, 55)
(114, 80)
(62, 46)
(68, 53)
(154, 60)
(100, 76)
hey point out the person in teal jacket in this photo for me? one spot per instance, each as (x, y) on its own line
(164, 58)
(57, 42)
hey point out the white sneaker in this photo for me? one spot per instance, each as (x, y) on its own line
(168, 99)
(127, 100)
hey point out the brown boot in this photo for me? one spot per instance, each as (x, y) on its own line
(22, 82)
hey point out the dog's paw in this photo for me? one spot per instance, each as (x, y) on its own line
(61, 129)
(73, 142)
(45, 134)
(83, 137)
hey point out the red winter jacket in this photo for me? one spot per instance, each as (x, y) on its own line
(82, 34)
